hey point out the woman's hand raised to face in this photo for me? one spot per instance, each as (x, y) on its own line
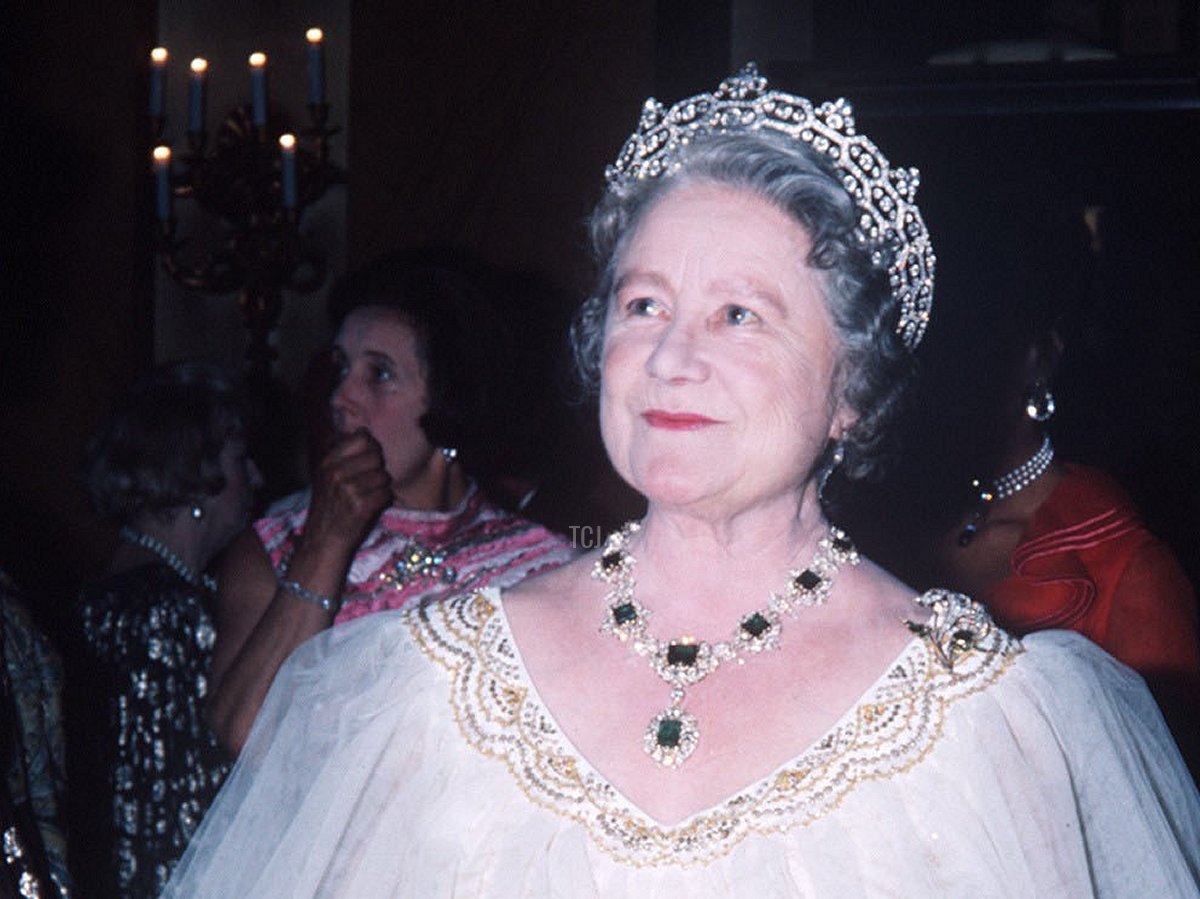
(350, 490)
(259, 623)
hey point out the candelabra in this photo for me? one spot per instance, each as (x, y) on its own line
(254, 185)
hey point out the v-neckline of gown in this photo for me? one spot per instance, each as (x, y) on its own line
(793, 761)
(890, 727)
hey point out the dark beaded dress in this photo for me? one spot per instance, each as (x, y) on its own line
(148, 636)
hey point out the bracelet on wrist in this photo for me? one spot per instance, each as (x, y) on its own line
(328, 603)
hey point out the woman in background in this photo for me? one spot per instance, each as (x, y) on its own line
(170, 467)
(421, 360)
(986, 504)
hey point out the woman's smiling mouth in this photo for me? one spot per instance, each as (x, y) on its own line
(677, 421)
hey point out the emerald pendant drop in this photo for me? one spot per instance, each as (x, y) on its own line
(671, 737)
(669, 732)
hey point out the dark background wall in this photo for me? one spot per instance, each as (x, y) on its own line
(488, 125)
(75, 322)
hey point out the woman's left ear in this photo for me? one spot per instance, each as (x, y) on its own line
(844, 418)
(1043, 356)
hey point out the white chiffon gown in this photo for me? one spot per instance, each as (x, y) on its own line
(408, 754)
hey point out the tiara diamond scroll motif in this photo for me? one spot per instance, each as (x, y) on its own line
(889, 225)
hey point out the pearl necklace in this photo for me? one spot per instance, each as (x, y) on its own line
(176, 564)
(673, 734)
(1026, 473)
(1005, 486)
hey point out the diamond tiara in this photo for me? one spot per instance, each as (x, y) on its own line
(889, 223)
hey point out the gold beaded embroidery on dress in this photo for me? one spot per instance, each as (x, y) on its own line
(957, 652)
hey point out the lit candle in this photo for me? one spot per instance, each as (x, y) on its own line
(196, 94)
(287, 155)
(158, 77)
(162, 182)
(316, 66)
(258, 87)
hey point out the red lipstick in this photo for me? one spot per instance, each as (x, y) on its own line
(676, 421)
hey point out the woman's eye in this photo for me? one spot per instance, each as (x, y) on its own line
(644, 306)
(380, 374)
(339, 366)
(739, 315)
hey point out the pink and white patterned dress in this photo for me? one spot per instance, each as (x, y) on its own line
(411, 554)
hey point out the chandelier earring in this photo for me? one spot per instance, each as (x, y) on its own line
(450, 454)
(1039, 402)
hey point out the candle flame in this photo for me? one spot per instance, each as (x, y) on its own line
(159, 55)
(258, 60)
(287, 141)
(314, 35)
(162, 154)
(199, 65)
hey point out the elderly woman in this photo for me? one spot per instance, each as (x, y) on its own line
(170, 467)
(725, 700)
(394, 514)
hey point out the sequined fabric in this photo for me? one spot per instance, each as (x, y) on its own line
(17, 877)
(35, 775)
(150, 638)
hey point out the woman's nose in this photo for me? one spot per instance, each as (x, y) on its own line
(677, 355)
(343, 405)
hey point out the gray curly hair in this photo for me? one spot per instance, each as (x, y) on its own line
(877, 368)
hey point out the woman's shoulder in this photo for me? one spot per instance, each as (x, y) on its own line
(380, 644)
(373, 638)
(1061, 673)
(954, 624)
(1086, 500)
(1073, 670)
(361, 668)
(1057, 677)
(1053, 681)
(144, 592)
(1103, 716)
(552, 584)
(372, 669)
(957, 650)
(495, 523)
(1086, 483)
(501, 548)
(449, 631)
